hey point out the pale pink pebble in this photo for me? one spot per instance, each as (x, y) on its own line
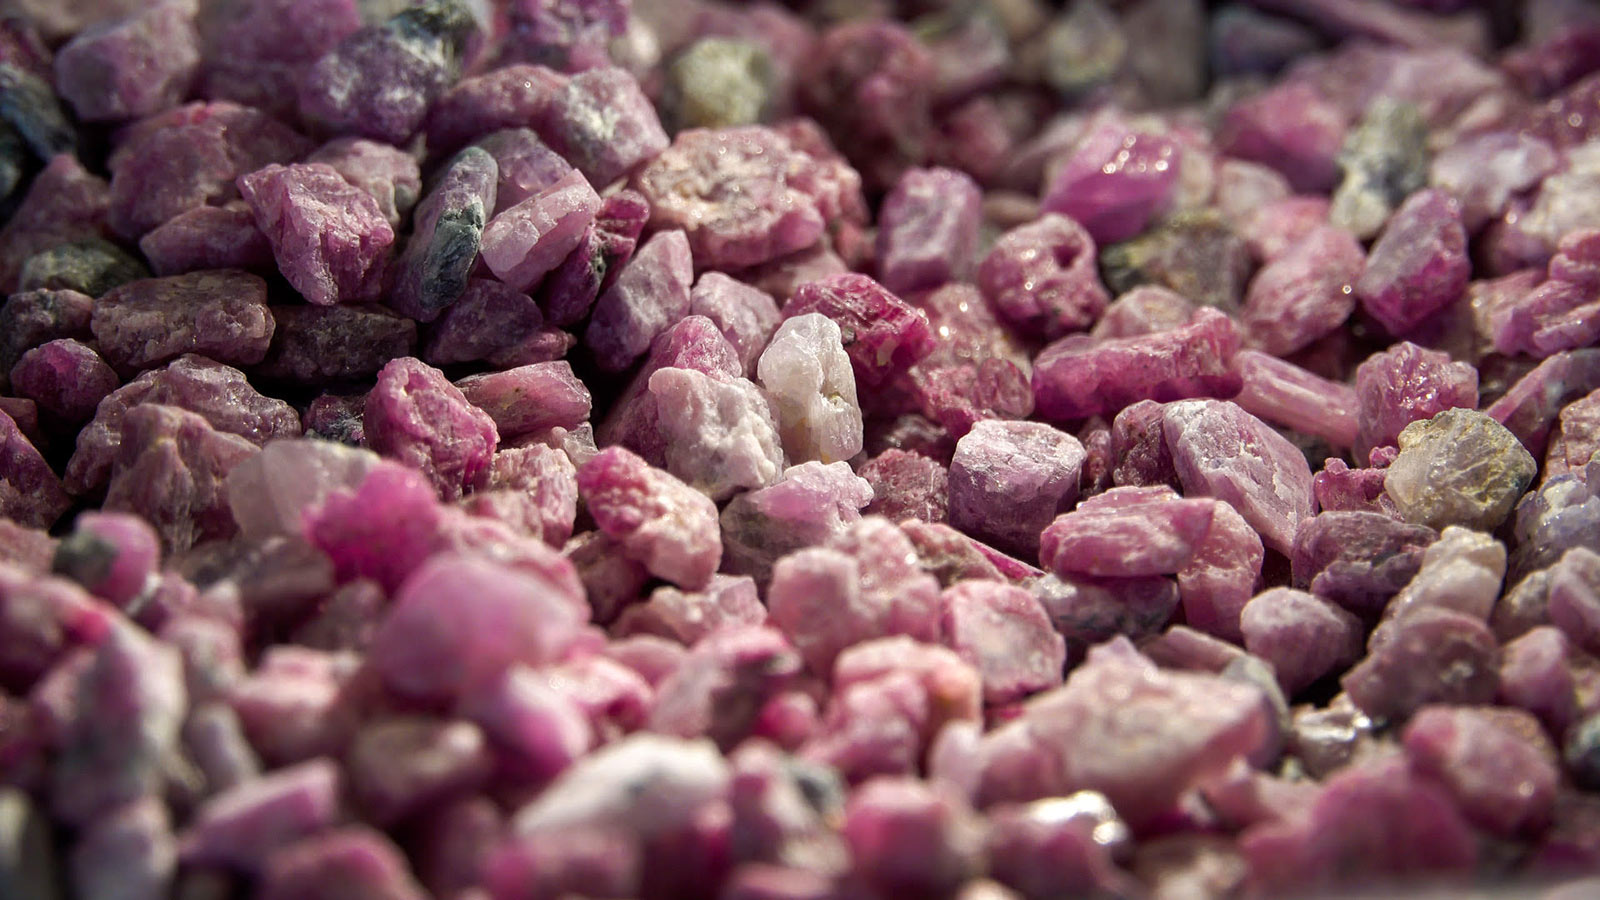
(1142, 736)
(1221, 451)
(649, 296)
(534, 730)
(525, 241)
(1003, 631)
(350, 861)
(721, 687)
(531, 398)
(1285, 394)
(1008, 480)
(688, 616)
(1303, 636)
(662, 522)
(907, 839)
(1222, 576)
(329, 237)
(241, 827)
(1497, 763)
(1127, 531)
(458, 621)
(416, 416)
(645, 785)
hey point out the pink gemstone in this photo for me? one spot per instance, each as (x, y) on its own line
(928, 230)
(65, 378)
(1127, 532)
(1116, 181)
(1303, 636)
(1497, 763)
(1077, 377)
(329, 236)
(243, 826)
(220, 314)
(1291, 128)
(1419, 264)
(649, 296)
(417, 417)
(458, 621)
(1404, 384)
(1008, 480)
(529, 399)
(131, 67)
(604, 124)
(522, 243)
(663, 523)
(1003, 631)
(171, 469)
(1042, 277)
(1303, 294)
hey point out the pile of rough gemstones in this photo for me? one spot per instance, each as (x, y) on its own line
(702, 450)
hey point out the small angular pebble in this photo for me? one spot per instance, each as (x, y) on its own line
(527, 166)
(529, 399)
(1195, 253)
(1303, 636)
(90, 267)
(1358, 559)
(1077, 376)
(1290, 128)
(663, 523)
(270, 491)
(883, 334)
(1115, 182)
(1126, 532)
(129, 705)
(379, 81)
(170, 469)
(403, 765)
(1419, 264)
(433, 270)
(207, 237)
(1003, 631)
(604, 124)
(388, 173)
(527, 240)
(38, 317)
(315, 344)
(649, 296)
(220, 393)
(573, 286)
(534, 489)
(329, 237)
(863, 584)
(221, 314)
(130, 852)
(721, 435)
(1008, 480)
(1497, 763)
(907, 485)
(508, 97)
(1385, 159)
(1089, 611)
(1462, 571)
(740, 194)
(189, 158)
(810, 503)
(1041, 277)
(1432, 656)
(132, 67)
(113, 555)
(688, 616)
(350, 862)
(64, 203)
(1141, 735)
(907, 839)
(66, 378)
(487, 319)
(1280, 392)
(1404, 384)
(418, 417)
(1221, 451)
(809, 379)
(928, 230)
(746, 316)
(718, 82)
(242, 827)
(1458, 468)
(1304, 294)
(458, 621)
(256, 53)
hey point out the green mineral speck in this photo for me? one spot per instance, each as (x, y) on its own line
(1195, 254)
(1458, 468)
(1385, 159)
(90, 267)
(717, 83)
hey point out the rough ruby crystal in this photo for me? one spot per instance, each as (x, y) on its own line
(132, 67)
(1042, 277)
(170, 469)
(1404, 384)
(883, 334)
(1303, 294)
(928, 230)
(1116, 181)
(1418, 265)
(1291, 128)
(1008, 480)
(650, 295)
(1077, 376)
(65, 377)
(416, 416)
(522, 243)
(329, 236)
(740, 194)
(603, 123)
(30, 493)
(663, 523)
(222, 314)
